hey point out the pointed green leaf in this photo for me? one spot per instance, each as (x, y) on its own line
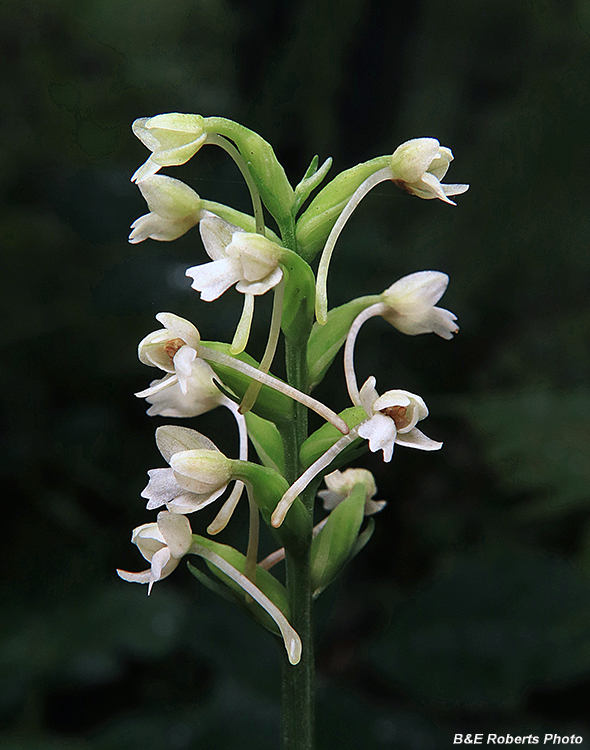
(332, 547)
(270, 404)
(315, 224)
(324, 438)
(267, 441)
(265, 581)
(326, 341)
(312, 179)
(299, 300)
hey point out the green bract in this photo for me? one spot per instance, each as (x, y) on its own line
(333, 546)
(315, 224)
(268, 443)
(267, 487)
(311, 180)
(325, 341)
(268, 174)
(270, 404)
(319, 442)
(265, 581)
(298, 304)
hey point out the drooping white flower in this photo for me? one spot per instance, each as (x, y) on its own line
(392, 419)
(246, 259)
(419, 165)
(162, 544)
(174, 209)
(188, 389)
(341, 483)
(410, 305)
(172, 138)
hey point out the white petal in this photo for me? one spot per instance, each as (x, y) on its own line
(442, 322)
(455, 189)
(260, 287)
(216, 235)
(145, 576)
(154, 227)
(381, 432)
(157, 386)
(180, 327)
(431, 185)
(183, 365)
(147, 169)
(190, 502)
(422, 289)
(213, 279)
(177, 532)
(169, 198)
(417, 439)
(392, 398)
(162, 564)
(368, 394)
(162, 488)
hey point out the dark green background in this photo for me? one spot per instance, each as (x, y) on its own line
(470, 609)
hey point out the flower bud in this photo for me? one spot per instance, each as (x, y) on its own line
(172, 138)
(201, 471)
(340, 485)
(174, 209)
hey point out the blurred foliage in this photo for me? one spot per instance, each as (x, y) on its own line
(466, 612)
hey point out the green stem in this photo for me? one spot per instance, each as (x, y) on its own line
(299, 680)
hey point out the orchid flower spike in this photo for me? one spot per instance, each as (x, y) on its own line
(162, 544)
(174, 350)
(392, 419)
(172, 138)
(174, 209)
(341, 483)
(419, 165)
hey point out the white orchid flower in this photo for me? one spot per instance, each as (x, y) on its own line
(163, 545)
(392, 419)
(419, 165)
(246, 259)
(341, 483)
(410, 305)
(175, 348)
(172, 138)
(174, 209)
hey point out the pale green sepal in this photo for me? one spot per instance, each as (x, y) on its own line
(315, 224)
(332, 547)
(324, 438)
(326, 341)
(265, 581)
(299, 300)
(312, 179)
(267, 441)
(267, 172)
(267, 487)
(171, 439)
(237, 218)
(270, 404)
